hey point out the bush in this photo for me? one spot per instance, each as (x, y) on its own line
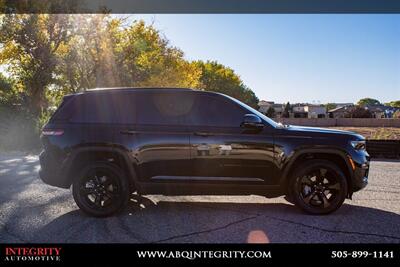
(18, 130)
(358, 112)
(270, 112)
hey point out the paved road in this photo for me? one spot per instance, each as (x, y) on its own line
(31, 211)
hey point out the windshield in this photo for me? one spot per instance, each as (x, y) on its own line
(256, 112)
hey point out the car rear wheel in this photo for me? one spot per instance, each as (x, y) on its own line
(318, 187)
(101, 189)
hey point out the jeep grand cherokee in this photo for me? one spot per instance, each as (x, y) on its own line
(109, 143)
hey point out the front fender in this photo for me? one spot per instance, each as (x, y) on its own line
(298, 156)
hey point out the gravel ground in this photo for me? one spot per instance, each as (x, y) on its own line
(31, 211)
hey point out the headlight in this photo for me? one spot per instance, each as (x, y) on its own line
(358, 145)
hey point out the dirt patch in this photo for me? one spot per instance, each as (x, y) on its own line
(377, 133)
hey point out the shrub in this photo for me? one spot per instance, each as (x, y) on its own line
(18, 130)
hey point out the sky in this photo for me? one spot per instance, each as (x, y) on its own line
(316, 58)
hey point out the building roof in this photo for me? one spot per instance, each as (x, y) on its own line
(264, 102)
(277, 105)
(337, 109)
(343, 104)
(380, 108)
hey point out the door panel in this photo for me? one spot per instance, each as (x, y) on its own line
(220, 147)
(158, 139)
(232, 153)
(159, 151)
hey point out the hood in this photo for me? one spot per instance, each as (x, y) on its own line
(322, 132)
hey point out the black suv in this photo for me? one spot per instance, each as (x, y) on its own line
(109, 143)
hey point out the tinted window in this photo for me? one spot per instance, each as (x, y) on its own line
(124, 107)
(164, 108)
(216, 111)
(103, 108)
(252, 110)
(65, 109)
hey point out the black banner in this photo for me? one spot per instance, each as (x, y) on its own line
(199, 6)
(184, 254)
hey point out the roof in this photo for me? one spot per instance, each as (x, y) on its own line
(264, 102)
(343, 104)
(337, 109)
(113, 89)
(277, 105)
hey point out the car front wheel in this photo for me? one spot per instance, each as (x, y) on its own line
(318, 187)
(101, 189)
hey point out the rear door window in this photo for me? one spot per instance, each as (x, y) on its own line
(124, 108)
(164, 108)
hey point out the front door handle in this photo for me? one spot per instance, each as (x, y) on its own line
(128, 132)
(204, 134)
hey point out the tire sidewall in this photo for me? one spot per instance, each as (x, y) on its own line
(122, 183)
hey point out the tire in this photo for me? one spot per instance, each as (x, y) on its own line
(289, 199)
(318, 187)
(101, 189)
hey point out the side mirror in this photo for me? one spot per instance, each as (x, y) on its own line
(251, 121)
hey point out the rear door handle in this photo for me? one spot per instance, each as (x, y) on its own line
(128, 132)
(203, 134)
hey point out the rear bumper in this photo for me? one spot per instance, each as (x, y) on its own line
(52, 172)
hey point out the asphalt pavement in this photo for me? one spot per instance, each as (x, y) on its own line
(31, 211)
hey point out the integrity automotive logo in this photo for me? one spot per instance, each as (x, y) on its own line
(32, 254)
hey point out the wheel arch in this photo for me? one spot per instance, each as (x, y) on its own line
(81, 156)
(339, 158)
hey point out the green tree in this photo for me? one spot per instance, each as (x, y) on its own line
(145, 58)
(103, 52)
(219, 78)
(17, 127)
(30, 46)
(286, 111)
(270, 112)
(358, 112)
(7, 94)
(368, 101)
(330, 106)
(395, 104)
(85, 62)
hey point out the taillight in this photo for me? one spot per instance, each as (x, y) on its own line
(52, 132)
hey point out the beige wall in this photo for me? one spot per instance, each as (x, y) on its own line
(328, 122)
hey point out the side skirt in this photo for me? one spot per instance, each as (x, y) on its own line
(179, 188)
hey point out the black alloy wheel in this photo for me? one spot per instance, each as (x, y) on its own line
(101, 190)
(318, 187)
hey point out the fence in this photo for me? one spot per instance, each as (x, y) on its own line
(351, 122)
(384, 148)
(376, 148)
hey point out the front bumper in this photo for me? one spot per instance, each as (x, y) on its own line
(360, 178)
(360, 170)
